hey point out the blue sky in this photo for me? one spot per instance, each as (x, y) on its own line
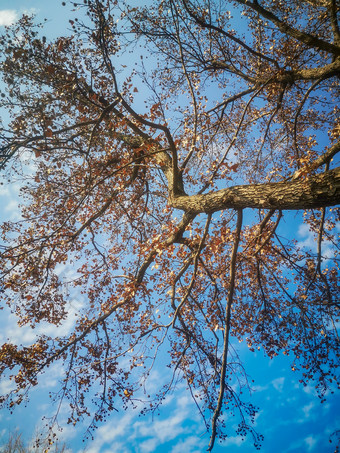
(291, 417)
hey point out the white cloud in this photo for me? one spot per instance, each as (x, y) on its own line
(8, 16)
(257, 416)
(6, 386)
(131, 433)
(9, 201)
(259, 388)
(162, 430)
(13, 211)
(278, 383)
(149, 445)
(308, 240)
(234, 440)
(25, 335)
(309, 389)
(308, 408)
(52, 378)
(191, 444)
(106, 435)
(308, 237)
(4, 192)
(310, 442)
(31, 11)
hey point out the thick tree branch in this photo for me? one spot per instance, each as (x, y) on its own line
(287, 76)
(327, 156)
(323, 72)
(312, 192)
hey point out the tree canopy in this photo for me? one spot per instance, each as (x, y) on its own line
(165, 185)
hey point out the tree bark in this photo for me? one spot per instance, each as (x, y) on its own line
(315, 191)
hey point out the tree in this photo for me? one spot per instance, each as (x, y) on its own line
(15, 444)
(171, 213)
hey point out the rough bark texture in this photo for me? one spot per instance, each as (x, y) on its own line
(311, 192)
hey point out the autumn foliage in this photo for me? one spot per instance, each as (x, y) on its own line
(160, 152)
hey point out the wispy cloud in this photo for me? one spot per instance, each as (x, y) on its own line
(234, 440)
(8, 16)
(131, 433)
(278, 383)
(308, 409)
(308, 389)
(308, 240)
(163, 430)
(26, 335)
(9, 202)
(310, 442)
(6, 386)
(107, 435)
(191, 444)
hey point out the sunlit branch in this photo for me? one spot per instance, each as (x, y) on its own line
(165, 129)
(298, 111)
(105, 112)
(231, 144)
(191, 90)
(266, 132)
(314, 191)
(211, 26)
(232, 99)
(173, 238)
(232, 271)
(324, 158)
(10, 150)
(103, 44)
(270, 234)
(193, 278)
(305, 38)
(333, 9)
